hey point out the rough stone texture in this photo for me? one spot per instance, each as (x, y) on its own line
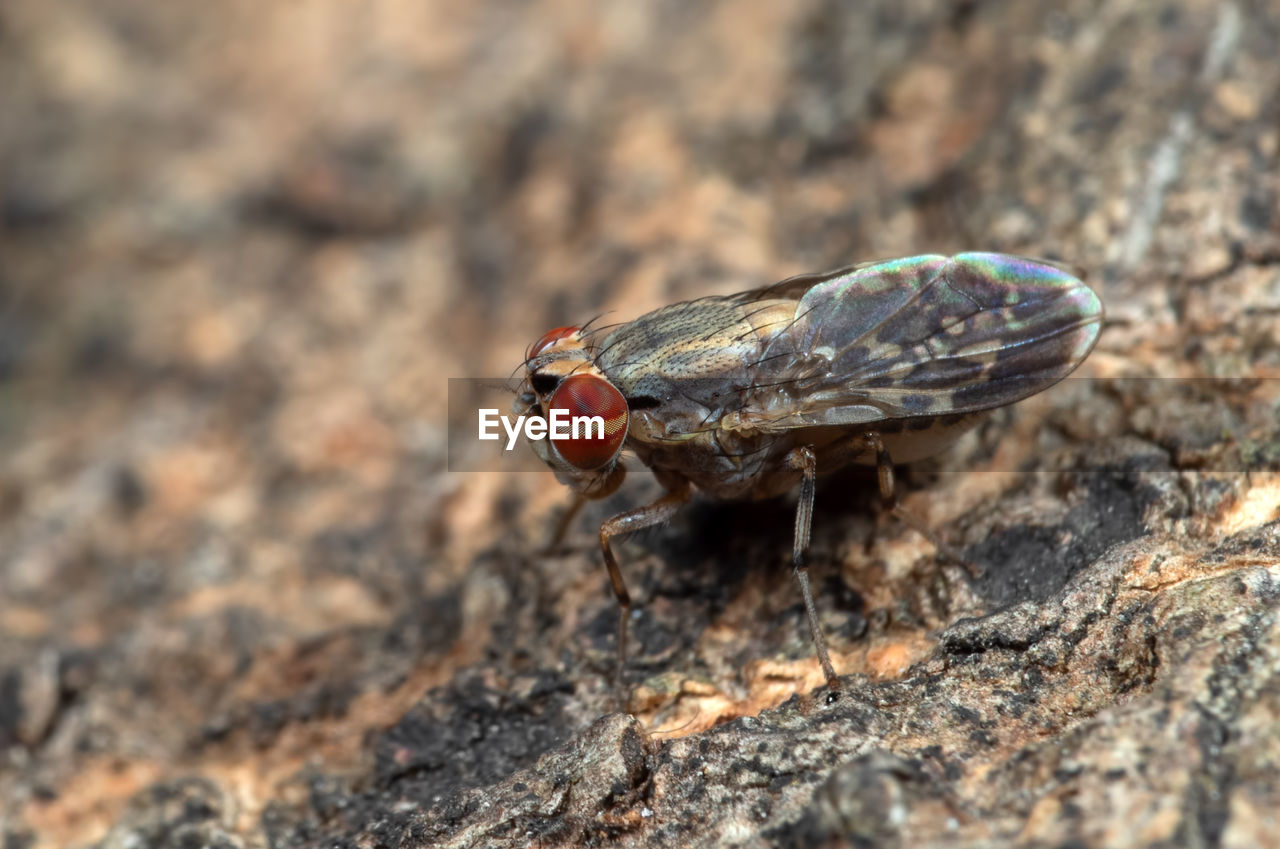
(243, 602)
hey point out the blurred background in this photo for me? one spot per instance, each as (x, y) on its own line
(244, 245)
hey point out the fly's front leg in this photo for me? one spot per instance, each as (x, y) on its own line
(624, 523)
(566, 519)
(889, 498)
(803, 460)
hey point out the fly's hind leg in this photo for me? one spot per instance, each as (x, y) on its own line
(624, 523)
(804, 461)
(889, 498)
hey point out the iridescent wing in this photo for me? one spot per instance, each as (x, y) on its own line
(920, 336)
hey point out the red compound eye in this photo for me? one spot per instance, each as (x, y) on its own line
(591, 446)
(550, 338)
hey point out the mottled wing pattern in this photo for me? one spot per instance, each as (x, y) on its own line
(921, 336)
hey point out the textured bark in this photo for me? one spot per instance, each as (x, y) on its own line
(244, 602)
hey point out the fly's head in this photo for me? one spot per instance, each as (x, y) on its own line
(586, 414)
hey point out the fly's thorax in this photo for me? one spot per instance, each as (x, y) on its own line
(691, 343)
(685, 366)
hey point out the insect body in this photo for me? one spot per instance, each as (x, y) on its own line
(749, 395)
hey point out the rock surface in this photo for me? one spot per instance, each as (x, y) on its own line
(245, 602)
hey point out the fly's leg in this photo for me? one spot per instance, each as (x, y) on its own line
(624, 523)
(889, 497)
(566, 519)
(804, 461)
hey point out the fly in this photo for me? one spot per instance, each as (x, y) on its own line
(747, 396)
